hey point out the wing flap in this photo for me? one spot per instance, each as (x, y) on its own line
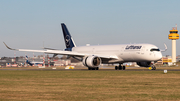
(65, 53)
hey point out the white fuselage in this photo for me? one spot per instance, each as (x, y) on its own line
(124, 52)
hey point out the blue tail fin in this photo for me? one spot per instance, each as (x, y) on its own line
(67, 38)
(28, 62)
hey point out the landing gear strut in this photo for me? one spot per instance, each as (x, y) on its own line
(153, 67)
(120, 67)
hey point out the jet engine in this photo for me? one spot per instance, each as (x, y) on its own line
(92, 61)
(144, 64)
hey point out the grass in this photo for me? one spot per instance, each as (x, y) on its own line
(89, 85)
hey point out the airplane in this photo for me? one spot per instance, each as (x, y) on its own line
(32, 63)
(145, 55)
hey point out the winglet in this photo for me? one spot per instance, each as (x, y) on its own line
(8, 47)
(165, 48)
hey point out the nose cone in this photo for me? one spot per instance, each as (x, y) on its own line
(159, 56)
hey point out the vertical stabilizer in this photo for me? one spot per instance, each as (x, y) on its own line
(67, 38)
(28, 62)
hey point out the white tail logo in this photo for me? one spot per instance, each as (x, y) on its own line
(67, 39)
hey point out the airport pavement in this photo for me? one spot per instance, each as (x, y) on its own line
(86, 69)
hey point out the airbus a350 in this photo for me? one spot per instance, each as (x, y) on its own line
(145, 55)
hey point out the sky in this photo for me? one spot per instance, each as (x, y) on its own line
(32, 24)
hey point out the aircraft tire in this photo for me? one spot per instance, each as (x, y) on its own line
(120, 67)
(116, 67)
(153, 67)
(89, 68)
(97, 68)
(124, 67)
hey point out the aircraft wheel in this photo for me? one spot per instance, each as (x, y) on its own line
(120, 67)
(124, 67)
(153, 67)
(97, 68)
(89, 68)
(116, 67)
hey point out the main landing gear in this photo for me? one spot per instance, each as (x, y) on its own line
(90, 68)
(120, 67)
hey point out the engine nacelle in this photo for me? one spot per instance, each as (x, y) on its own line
(92, 61)
(144, 64)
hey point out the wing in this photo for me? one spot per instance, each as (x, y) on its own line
(70, 53)
(49, 51)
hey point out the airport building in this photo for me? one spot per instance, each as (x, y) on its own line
(21, 61)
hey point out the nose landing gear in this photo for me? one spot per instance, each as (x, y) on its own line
(153, 67)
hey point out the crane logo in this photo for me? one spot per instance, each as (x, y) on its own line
(67, 40)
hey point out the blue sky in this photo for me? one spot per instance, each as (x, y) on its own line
(30, 23)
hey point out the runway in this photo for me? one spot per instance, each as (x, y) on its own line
(86, 69)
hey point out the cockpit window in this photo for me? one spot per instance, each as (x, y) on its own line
(153, 49)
